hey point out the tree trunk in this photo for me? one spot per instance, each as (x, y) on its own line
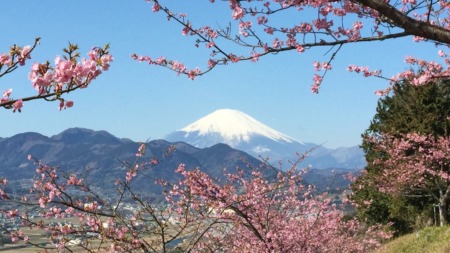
(441, 216)
(443, 208)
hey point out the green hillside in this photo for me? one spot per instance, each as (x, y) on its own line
(430, 240)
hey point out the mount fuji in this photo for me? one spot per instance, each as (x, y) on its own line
(242, 132)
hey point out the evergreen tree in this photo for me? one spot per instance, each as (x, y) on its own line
(421, 109)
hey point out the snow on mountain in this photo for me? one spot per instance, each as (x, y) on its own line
(245, 133)
(239, 131)
(233, 127)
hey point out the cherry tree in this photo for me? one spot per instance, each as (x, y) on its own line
(247, 212)
(270, 27)
(51, 82)
(254, 214)
(419, 163)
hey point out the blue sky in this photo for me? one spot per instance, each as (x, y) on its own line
(140, 102)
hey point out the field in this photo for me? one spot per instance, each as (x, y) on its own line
(429, 240)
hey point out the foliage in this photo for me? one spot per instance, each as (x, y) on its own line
(417, 164)
(409, 108)
(246, 212)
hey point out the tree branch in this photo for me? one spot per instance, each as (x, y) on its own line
(410, 25)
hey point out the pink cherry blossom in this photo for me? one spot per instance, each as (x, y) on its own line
(333, 25)
(17, 106)
(7, 93)
(238, 12)
(53, 81)
(156, 7)
(5, 60)
(416, 162)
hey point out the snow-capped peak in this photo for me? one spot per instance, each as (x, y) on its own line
(234, 127)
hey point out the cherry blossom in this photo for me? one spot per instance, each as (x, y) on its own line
(247, 212)
(416, 162)
(330, 24)
(51, 82)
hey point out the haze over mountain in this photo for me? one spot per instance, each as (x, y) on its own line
(245, 133)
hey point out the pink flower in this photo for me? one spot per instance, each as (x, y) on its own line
(69, 210)
(17, 106)
(3, 181)
(69, 104)
(65, 104)
(43, 201)
(5, 60)
(316, 66)
(269, 30)
(130, 174)
(255, 57)
(300, 49)
(141, 150)
(25, 54)
(277, 43)
(211, 63)
(192, 74)
(238, 12)
(156, 7)
(317, 79)
(186, 30)
(326, 65)
(7, 93)
(93, 54)
(73, 180)
(262, 20)
(154, 161)
(12, 213)
(14, 238)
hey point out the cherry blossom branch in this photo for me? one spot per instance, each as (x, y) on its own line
(16, 56)
(426, 21)
(52, 82)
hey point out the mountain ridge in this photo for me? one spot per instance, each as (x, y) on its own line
(103, 157)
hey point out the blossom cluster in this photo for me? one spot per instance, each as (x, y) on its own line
(51, 82)
(268, 215)
(247, 212)
(17, 56)
(415, 161)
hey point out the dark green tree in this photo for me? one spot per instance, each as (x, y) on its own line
(421, 109)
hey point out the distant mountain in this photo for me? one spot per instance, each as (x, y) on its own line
(245, 133)
(102, 157)
(231, 127)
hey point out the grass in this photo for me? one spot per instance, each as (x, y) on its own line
(430, 240)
